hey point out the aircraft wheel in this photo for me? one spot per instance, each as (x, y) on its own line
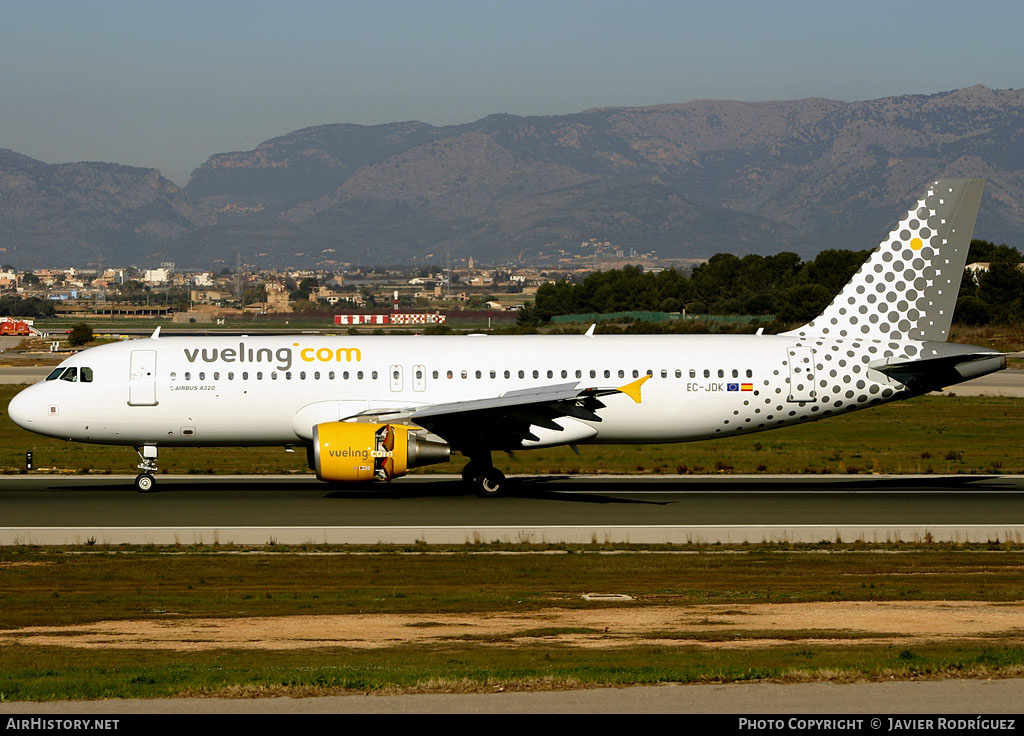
(491, 483)
(144, 482)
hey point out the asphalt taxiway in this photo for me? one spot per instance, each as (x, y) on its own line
(36, 509)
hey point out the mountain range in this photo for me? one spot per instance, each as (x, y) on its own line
(683, 180)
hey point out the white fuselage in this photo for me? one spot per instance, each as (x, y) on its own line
(230, 390)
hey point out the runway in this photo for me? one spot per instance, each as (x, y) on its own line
(580, 510)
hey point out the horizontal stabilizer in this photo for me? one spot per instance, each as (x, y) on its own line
(931, 373)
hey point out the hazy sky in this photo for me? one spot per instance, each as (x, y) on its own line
(167, 84)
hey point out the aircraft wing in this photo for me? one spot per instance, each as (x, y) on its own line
(504, 421)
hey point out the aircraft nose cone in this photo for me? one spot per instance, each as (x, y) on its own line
(20, 410)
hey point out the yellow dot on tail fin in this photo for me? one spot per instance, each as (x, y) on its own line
(916, 244)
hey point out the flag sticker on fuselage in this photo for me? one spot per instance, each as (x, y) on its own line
(739, 387)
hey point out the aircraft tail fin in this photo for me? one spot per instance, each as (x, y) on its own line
(908, 287)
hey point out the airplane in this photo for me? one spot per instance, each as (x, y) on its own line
(371, 408)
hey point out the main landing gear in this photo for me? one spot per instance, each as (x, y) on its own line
(485, 479)
(144, 481)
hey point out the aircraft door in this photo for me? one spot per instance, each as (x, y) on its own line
(801, 374)
(142, 378)
(419, 378)
(396, 377)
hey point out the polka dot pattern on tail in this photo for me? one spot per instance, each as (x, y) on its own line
(907, 288)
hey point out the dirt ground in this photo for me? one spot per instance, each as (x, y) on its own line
(736, 625)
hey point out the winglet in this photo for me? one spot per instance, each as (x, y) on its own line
(632, 390)
(590, 330)
(156, 334)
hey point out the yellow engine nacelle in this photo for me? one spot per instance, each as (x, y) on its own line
(355, 451)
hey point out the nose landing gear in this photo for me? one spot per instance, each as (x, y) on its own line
(144, 481)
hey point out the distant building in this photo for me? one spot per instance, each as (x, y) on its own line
(277, 298)
(981, 267)
(328, 295)
(156, 275)
(208, 296)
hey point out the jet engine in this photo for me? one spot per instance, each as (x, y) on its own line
(357, 451)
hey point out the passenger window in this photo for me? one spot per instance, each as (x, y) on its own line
(373, 375)
(419, 374)
(707, 373)
(330, 375)
(664, 373)
(735, 373)
(87, 375)
(508, 374)
(750, 373)
(522, 374)
(434, 374)
(287, 375)
(464, 374)
(245, 375)
(622, 373)
(302, 375)
(202, 375)
(344, 375)
(550, 374)
(721, 373)
(396, 374)
(450, 374)
(636, 373)
(565, 373)
(478, 374)
(579, 373)
(231, 375)
(494, 374)
(216, 375)
(536, 374)
(359, 375)
(174, 376)
(71, 374)
(54, 373)
(593, 373)
(316, 375)
(259, 375)
(188, 376)
(273, 375)
(607, 373)
(679, 373)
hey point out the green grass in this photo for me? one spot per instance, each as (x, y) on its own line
(52, 673)
(929, 434)
(68, 586)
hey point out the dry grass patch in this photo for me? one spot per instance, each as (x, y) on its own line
(764, 625)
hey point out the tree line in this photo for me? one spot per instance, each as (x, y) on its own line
(783, 285)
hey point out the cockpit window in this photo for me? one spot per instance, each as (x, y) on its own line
(71, 374)
(54, 373)
(86, 375)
